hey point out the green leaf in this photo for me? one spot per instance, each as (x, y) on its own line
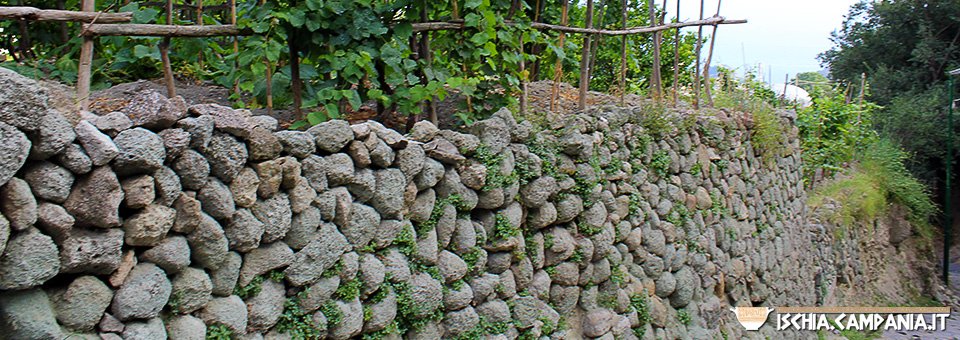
(403, 31)
(479, 38)
(472, 20)
(145, 15)
(316, 117)
(471, 4)
(141, 51)
(333, 111)
(336, 6)
(354, 98)
(131, 7)
(297, 17)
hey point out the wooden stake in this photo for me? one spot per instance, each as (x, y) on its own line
(696, 89)
(25, 44)
(676, 60)
(623, 52)
(655, 78)
(595, 39)
(863, 86)
(783, 97)
(165, 56)
(706, 71)
(236, 45)
(558, 70)
(200, 23)
(64, 30)
(86, 63)
(585, 60)
(295, 76)
(269, 86)
(523, 80)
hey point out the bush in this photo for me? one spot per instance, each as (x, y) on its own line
(880, 178)
(832, 132)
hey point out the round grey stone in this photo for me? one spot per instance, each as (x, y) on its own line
(141, 151)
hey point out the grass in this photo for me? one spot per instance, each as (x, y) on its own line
(879, 179)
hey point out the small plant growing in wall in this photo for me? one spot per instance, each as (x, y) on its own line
(639, 303)
(683, 317)
(299, 325)
(660, 163)
(502, 229)
(218, 332)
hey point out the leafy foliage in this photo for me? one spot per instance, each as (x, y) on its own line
(831, 132)
(354, 51)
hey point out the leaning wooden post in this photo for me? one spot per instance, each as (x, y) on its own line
(200, 23)
(523, 81)
(558, 70)
(656, 79)
(623, 52)
(585, 60)
(165, 56)
(676, 60)
(236, 45)
(86, 62)
(295, 76)
(696, 75)
(706, 67)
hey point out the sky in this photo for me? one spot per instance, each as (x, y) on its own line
(782, 36)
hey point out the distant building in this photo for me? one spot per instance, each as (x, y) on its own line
(793, 93)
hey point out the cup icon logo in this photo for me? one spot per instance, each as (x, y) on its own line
(752, 317)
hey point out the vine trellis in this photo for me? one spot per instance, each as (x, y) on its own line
(385, 52)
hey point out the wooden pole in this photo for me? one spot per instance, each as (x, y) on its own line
(459, 25)
(558, 70)
(676, 60)
(623, 52)
(696, 81)
(200, 23)
(428, 54)
(595, 39)
(783, 97)
(64, 30)
(295, 76)
(236, 45)
(85, 65)
(269, 86)
(165, 56)
(863, 86)
(25, 44)
(706, 70)
(656, 79)
(523, 81)
(585, 60)
(147, 30)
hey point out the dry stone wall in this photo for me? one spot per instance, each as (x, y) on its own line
(166, 220)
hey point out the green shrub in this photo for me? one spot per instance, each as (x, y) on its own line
(878, 179)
